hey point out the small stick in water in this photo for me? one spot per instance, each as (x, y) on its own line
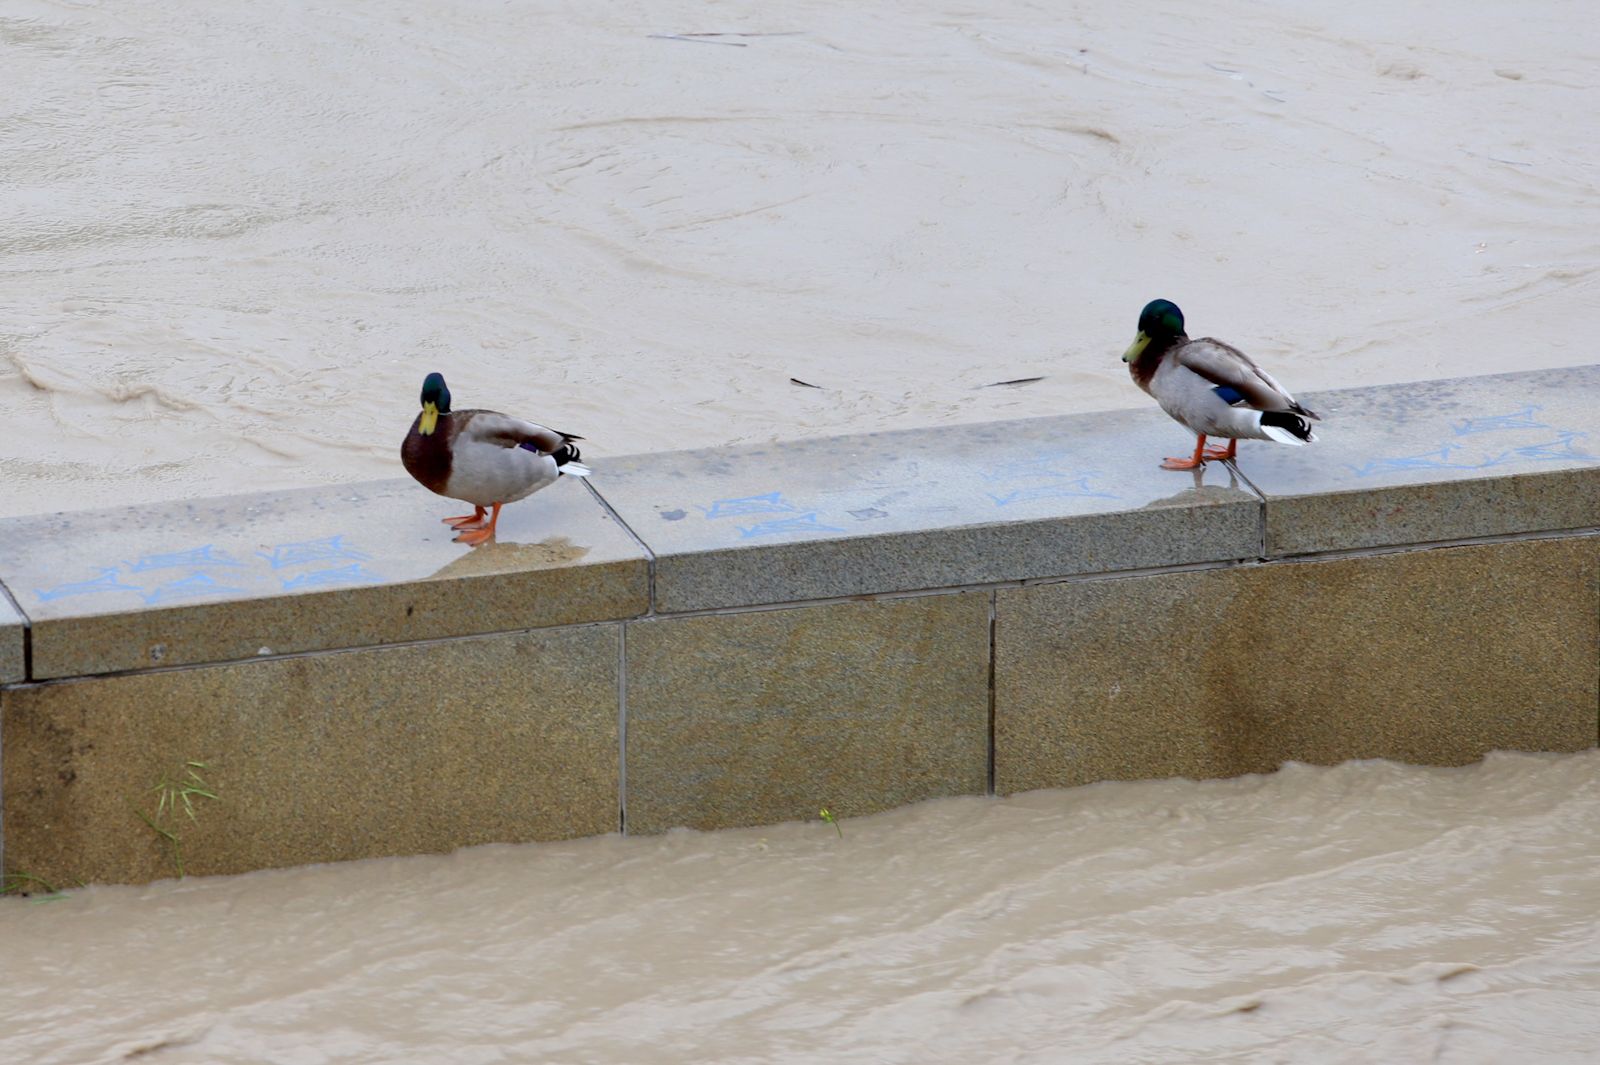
(1013, 381)
(695, 38)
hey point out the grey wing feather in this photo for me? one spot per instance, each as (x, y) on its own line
(1223, 364)
(492, 427)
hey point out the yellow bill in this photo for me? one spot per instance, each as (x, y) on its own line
(1136, 349)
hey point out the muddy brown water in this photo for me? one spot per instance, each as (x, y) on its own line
(1369, 912)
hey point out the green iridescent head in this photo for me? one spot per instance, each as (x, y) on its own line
(435, 401)
(1161, 323)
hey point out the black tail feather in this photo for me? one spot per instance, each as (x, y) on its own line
(567, 452)
(1290, 423)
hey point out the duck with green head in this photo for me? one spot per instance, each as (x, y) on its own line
(482, 457)
(1211, 387)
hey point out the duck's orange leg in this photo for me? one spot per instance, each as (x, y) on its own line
(1229, 452)
(463, 521)
(1192, 462)
(482, 533)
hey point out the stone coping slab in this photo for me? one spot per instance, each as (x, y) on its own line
(12, 643)
(926, 508)
(302, 570)
(999, 502)
(1436, 460)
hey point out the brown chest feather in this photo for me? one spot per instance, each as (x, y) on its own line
(427, 458)
(1145, 366)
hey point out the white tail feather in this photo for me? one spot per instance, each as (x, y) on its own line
(576, 469)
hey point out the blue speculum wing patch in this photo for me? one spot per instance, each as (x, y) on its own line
(1230, 395)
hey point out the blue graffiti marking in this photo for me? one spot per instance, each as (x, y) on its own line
(1522, 419)
(354, 573)
(199, 556)
(771, 503)
(1079, 488)
(805, 523)
(298, 554)
(1428, 460)
(1561, 449)
(189, 587)
(1558, 449)
(106, 582)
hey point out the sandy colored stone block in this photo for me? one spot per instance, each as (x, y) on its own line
(306, 570)
(921, 509)
(767, 716)
(13, 664)
(1437, 460)
(317, 758)
(1433, 657)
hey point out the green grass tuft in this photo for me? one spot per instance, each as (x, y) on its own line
(176, 792)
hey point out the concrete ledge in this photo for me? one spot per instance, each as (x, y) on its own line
(321, 569)
(926, 508)
(1437, 460)
(745, 635)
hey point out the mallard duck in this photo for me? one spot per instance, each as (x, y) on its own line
(482, 457)
(1212, 388)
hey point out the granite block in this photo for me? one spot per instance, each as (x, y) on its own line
(304, 570)
(1432, 657)
(13, 636)
(765, 716)
(926, 508)
(1436, 460)
(316, 758)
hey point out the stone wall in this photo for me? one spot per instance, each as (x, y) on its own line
(745, 635)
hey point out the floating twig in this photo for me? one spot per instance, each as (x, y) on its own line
(710, 37)
(695, 38)
(1013, 381)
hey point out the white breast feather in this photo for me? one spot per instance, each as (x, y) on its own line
(484, 474)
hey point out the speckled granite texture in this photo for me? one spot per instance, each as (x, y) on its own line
(12, 644)
(1434, 657)
(316, 758)
(752, 718)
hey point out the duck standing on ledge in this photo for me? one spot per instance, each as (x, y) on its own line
(483, 457)
(1212, 388)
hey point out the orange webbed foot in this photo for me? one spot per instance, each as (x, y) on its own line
(475, 520)
(1198, 459)
(1220, 453)
(480, 533)
(1190, 463)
